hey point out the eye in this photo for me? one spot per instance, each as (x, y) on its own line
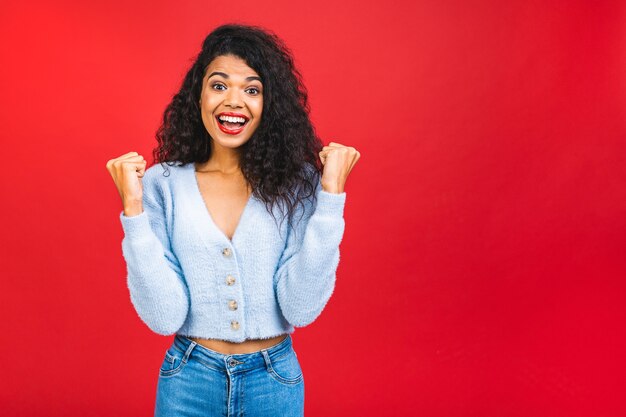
(253, 91)
(216, 86)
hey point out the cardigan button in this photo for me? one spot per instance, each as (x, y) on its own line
(230, 280)
(226, 252)
(232, 304)
(234, 324)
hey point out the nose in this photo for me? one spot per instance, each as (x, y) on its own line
(233, 98)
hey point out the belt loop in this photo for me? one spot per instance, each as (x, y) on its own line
(266, 356)
(189, 349)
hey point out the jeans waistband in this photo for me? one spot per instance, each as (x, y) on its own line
(235, 362)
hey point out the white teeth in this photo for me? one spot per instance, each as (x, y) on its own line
(232, 119)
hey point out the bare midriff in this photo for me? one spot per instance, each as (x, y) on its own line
(231, 348)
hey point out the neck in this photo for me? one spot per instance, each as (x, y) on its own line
(223, 160)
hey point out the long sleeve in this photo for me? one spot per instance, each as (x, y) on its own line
(157, 287)
(305, 277)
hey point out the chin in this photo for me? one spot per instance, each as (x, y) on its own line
(229, 142)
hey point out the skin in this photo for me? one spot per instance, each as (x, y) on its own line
(221, 182)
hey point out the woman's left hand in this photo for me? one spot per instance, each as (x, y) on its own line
(338, 161)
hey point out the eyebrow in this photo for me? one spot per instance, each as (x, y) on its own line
(226, 76)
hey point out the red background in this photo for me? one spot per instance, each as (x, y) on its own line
(483, 262)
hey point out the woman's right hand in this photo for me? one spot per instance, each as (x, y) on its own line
(127, 171)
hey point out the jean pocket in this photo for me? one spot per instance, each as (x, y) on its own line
(172, 362)
(285, 368)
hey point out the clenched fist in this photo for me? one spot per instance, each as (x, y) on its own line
(338, 161)
(127, 171)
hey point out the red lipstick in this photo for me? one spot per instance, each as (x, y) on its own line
(235, 131)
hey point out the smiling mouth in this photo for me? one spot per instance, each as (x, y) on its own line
(231, 124)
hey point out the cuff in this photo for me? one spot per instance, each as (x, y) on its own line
(136, 227)
(330, 204)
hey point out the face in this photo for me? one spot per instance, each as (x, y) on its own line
(231, 102)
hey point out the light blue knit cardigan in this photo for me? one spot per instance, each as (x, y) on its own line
(186, 277)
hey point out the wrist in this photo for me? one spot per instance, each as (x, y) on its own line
(332, 188)
(133, 209)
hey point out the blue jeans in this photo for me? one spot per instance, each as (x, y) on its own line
(197, 381)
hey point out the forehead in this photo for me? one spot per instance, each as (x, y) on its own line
(231, 65)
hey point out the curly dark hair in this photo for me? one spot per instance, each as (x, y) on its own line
(277, 159)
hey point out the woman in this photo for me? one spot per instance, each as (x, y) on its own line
(208, 253)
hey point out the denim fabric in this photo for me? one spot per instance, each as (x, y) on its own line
(197, 381)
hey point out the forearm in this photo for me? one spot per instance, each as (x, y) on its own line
(157, 290)
(307, 280)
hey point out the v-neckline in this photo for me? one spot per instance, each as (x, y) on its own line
(212, 223)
